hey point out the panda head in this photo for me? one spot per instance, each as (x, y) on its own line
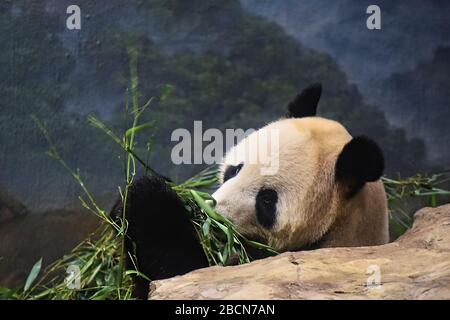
(287, 183)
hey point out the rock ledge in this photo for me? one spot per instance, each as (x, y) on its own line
(415, 266)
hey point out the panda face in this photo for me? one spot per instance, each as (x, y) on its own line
(303, 179)
(278, 206)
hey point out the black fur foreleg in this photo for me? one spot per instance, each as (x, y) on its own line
(164, 239)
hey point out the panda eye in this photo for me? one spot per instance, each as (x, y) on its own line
(232, 171)
(266, 207)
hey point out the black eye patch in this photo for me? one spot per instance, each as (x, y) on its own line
(266, 207)
(232, 171)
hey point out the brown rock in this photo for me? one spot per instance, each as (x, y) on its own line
(415, 266)
(10, 208)
(49, 235)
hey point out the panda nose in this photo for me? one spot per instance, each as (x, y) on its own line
(215, 196)
(218, 202)
(220, 195)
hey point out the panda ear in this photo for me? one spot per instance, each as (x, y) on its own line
(305, 103)
(360, 161)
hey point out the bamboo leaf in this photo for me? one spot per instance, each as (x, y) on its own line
(33, 275)
(208, 210)
(138, 128)
(206, 227)
(166, 91)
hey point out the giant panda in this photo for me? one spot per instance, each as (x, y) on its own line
(325, 192)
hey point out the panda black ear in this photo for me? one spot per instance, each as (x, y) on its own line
(360, 161)
(305, 103)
